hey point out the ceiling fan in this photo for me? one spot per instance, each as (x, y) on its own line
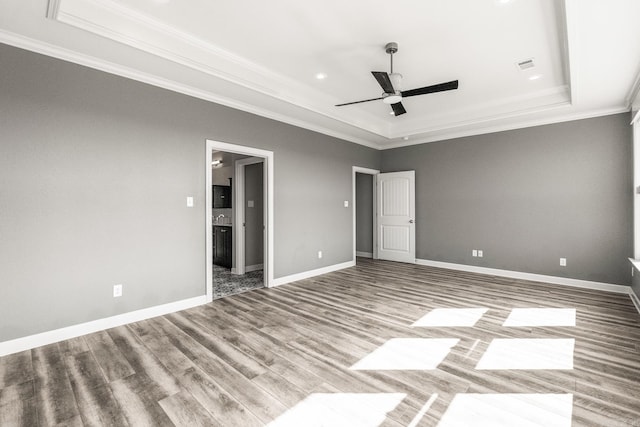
(390, 81)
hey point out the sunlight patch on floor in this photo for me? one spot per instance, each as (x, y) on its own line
(528, 353)
(442, 317)
(509, 410)
(407, 354)
(340, 410)
(541, 317)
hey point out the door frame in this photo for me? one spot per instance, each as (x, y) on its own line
(239, 204)
(210, 147)
(373, 173)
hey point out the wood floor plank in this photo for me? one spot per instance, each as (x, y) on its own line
(19, 413)
(185, 411)
(15, 369)
(55, 401)
(23, 391)
(138, 397)
(142, 360)
(109, 357)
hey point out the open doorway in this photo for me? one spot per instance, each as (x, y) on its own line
(239, 193)
(364, 213)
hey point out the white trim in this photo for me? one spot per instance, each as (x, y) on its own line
(571, 45)
(269, 253)
(451, 133)
(373, 172)
(238, 203)
(634, 299)
(53, 7)
(254, 267)
(565, 281)
(364, 254)
(635, 263)
(635, 131)
(50, 337)
(312, 273)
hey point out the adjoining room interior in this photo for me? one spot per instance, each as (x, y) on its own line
(428, 218)
(247, 212)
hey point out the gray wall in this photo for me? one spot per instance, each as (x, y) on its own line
(528, 197)
(254, 219)
(364, 212)
(635, 284)
(94, 174)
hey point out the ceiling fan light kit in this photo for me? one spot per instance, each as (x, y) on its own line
(391, 84)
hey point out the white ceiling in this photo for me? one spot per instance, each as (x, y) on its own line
(263, 57)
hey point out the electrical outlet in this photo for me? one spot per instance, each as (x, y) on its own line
(479, 253)
(474, 252)
(319, 254)
(346, 203)
(189, 202)
(563, 262)
(117, 291)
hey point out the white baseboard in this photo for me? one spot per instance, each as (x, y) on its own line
(255, 267)
(364, 254)
(577, 283)
(249, 268)
(50, 337)
(311, 273)
(634, 299)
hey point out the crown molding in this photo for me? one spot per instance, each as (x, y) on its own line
(512, 126)
(193, 52)
(47, 49)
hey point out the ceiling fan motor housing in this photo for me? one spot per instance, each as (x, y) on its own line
(391, 48)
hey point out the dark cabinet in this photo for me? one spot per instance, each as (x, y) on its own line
(222, 246)
(222, 196)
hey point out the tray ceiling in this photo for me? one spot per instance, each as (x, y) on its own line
(264, 59)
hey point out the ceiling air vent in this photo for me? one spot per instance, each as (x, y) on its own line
(526, 64)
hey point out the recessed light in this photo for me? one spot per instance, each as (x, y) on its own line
(321, 76)
(535, 77)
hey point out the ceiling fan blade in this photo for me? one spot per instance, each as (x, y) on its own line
(384, 81)
(431, 89)
(398, 108)
(358, 102)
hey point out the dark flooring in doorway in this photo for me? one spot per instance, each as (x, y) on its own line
(225, 283)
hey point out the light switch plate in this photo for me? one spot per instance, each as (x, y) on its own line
(189, 202)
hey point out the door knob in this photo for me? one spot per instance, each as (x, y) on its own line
(410, 221)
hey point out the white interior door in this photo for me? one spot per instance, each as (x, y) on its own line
(395, 216)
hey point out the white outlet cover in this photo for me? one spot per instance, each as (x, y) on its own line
(480, 253)
(474, 252)
(346, 203)
(117, 291)
(189, 202)
(563, 262)
(319, 254)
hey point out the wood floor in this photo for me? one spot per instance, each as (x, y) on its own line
(247, 359)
